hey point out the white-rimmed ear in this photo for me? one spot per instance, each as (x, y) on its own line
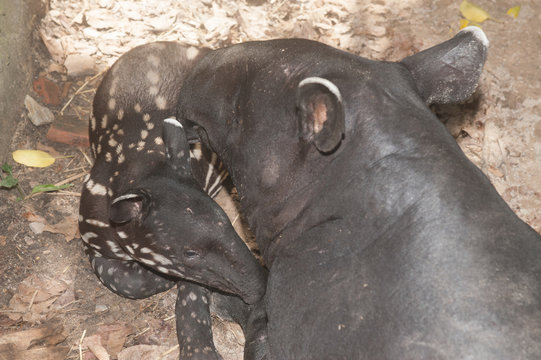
(177, 148)
(127, 207)
(321, 113)
(449, 72)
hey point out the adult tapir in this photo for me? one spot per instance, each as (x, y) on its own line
(382, 239)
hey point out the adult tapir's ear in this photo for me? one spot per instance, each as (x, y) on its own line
(132, 205)
(321, 113)
(449, 72)
(177, 148)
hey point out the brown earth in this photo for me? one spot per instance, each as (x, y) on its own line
(46, 279)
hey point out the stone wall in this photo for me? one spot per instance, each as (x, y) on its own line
(18, 19)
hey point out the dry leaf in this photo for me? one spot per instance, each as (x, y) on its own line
(51, 150)
(94, 345)
(463, 23)
(114, 336)
(147, 352)
(68, 227)
(30, 216)
(37, 343)
(34, 158)
(513, 11)
(108, 340)
(41, 292)
(473, 12)
(54, 46)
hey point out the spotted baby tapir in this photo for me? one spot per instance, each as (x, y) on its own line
(146, 216)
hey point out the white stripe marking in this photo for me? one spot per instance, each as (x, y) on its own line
(96, 189)
(97, 223)
(89, 235)
(213, 190)
(147, 261)
(162, 259)
(174, 122)
(210, 170)
(124, 197)
(328, 84)
(478, 33)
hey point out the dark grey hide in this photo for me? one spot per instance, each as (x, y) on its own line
(383, 241)
(145, 222)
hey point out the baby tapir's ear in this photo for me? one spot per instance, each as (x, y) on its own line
(321, 113)
(130, 206)
(177, 148)
(449, 72)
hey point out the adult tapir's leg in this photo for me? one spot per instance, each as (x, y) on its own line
(255, 332)
(252, 319)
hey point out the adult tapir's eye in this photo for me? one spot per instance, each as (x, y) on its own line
(191, 254)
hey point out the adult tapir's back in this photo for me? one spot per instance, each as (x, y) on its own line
(383, 240)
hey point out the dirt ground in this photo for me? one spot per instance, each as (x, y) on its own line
(46, 281)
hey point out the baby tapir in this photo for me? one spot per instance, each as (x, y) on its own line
(383, 241)
(143, 219)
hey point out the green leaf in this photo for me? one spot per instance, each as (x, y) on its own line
(8, 182)
(48, 187)
(7, 169)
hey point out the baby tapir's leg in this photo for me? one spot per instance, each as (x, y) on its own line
(194, 326)
(129, 278)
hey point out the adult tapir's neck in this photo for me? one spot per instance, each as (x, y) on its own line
(425, 189)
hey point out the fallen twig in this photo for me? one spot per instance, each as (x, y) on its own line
(165, 353)
(71, 178)
(81, 345)
(85, 156)
(80, 90)
(61, 193)
(32, 300)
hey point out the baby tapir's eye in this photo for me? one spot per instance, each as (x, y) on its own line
(191, 254)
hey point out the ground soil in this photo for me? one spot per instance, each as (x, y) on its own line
(499, 129)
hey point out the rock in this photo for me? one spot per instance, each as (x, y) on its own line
(78, 65)
(100, 308)
(39, 115)
(69, 129)
(37, 227)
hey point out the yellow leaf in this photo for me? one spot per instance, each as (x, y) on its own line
(463, 23)
(514, 11)
(473, 12)
(35, 158)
